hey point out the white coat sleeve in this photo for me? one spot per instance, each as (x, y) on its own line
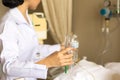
(11, 64)
(46, 50)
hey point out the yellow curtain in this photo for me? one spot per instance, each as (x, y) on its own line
(59, 16)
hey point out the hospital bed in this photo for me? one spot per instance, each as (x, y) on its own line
(88, 70)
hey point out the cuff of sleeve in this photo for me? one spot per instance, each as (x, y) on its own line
(40, 71)
(56, 47)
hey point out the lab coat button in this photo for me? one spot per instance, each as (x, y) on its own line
(38, 54)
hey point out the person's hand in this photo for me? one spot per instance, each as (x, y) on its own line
(57, 59)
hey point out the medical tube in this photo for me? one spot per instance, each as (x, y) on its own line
(106, 33)
(106, 37)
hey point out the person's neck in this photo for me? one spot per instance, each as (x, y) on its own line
(23, 8)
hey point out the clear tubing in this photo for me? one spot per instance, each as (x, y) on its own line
(106, 32)
(106, 35)
(107, 44)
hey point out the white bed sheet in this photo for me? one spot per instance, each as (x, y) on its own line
(87, 70)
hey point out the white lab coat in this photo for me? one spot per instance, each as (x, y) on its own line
(21, 48)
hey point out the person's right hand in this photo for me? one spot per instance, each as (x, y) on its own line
(57, 59)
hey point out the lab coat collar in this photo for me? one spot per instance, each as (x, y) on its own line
(19, 18)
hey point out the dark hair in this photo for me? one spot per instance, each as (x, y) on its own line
(12, 3)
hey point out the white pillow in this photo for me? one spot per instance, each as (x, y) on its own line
(114, 67)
